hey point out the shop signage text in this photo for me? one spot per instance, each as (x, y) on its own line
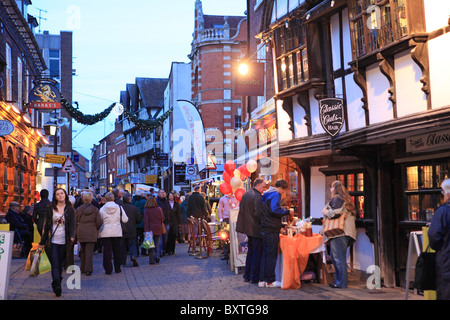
(6, 127)
(45, 96)
(54, 158)
(331, 113)
(252, 83)
(430, 141)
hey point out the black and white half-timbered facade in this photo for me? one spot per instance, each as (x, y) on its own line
(384, 63)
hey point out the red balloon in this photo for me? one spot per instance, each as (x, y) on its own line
(244, 172)
(226, 177)
(239, 193)
(225, 188)
(229, 167)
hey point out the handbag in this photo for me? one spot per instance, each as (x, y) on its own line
(164, 231)
(334, 227)
(425, 272)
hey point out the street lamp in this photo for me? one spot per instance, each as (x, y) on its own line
(50, 128)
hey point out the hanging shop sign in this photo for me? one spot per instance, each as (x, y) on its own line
(436, 140)
(331, 113)
(250, 82)
(6, 128)
(45, 96)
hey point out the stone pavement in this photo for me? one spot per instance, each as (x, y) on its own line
(181, 277)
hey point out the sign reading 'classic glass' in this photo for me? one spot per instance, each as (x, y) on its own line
(45, 96)
(331, 113)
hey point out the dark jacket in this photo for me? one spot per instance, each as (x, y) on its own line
(272, 212)
(39, 211)
(70, 225)
(439, 236)
(134, 218)
(163, 203)
(196, 206)
(184, 215)
(88, 222)
(175, 214)
(249, 217)
(16, 221)
(139, 202)
(153, 219)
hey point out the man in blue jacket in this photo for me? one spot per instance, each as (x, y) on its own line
(270, 232)
(439, 237)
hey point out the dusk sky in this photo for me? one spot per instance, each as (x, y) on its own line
(116, 41)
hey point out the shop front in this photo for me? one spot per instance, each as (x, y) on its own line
(18, 160)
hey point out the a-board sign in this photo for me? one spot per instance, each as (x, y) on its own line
(6, 248)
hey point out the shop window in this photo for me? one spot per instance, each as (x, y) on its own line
(376, 23)
(290, 48)
(354, 182)
(422, 189)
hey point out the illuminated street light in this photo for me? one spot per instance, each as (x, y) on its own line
(243, 69)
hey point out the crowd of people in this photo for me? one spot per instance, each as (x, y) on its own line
(112, 224)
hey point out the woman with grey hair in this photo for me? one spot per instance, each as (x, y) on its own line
(111, 233)
(88, 223)
(439, 237)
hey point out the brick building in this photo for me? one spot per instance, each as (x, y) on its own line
(57, 53)
(21, 63)
(109, 162)
(218, 44)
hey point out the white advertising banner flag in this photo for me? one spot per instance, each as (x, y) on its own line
(189, 136)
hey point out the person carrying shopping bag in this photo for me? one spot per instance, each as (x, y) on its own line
(58, 234)
(340, 207)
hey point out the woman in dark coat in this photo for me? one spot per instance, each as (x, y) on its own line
(88, 223)
(58, 234)
(153, 220)
(439, 236)
(175, 218)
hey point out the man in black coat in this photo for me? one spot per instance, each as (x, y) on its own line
(40, 209)
(16, 222)
(439, 236)
(129, 242)
(196, 204)
(249, 222)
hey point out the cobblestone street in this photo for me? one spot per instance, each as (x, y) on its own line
(180, 277)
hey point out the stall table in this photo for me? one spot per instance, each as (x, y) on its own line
(295, 251)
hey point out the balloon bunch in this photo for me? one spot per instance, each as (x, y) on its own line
(233, 178)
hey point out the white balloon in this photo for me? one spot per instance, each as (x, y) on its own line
(237, 174)
(252, 165)
(235, 183)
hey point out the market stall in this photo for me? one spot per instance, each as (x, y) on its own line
(294, 255)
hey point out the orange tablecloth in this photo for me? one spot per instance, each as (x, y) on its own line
(296, 251)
